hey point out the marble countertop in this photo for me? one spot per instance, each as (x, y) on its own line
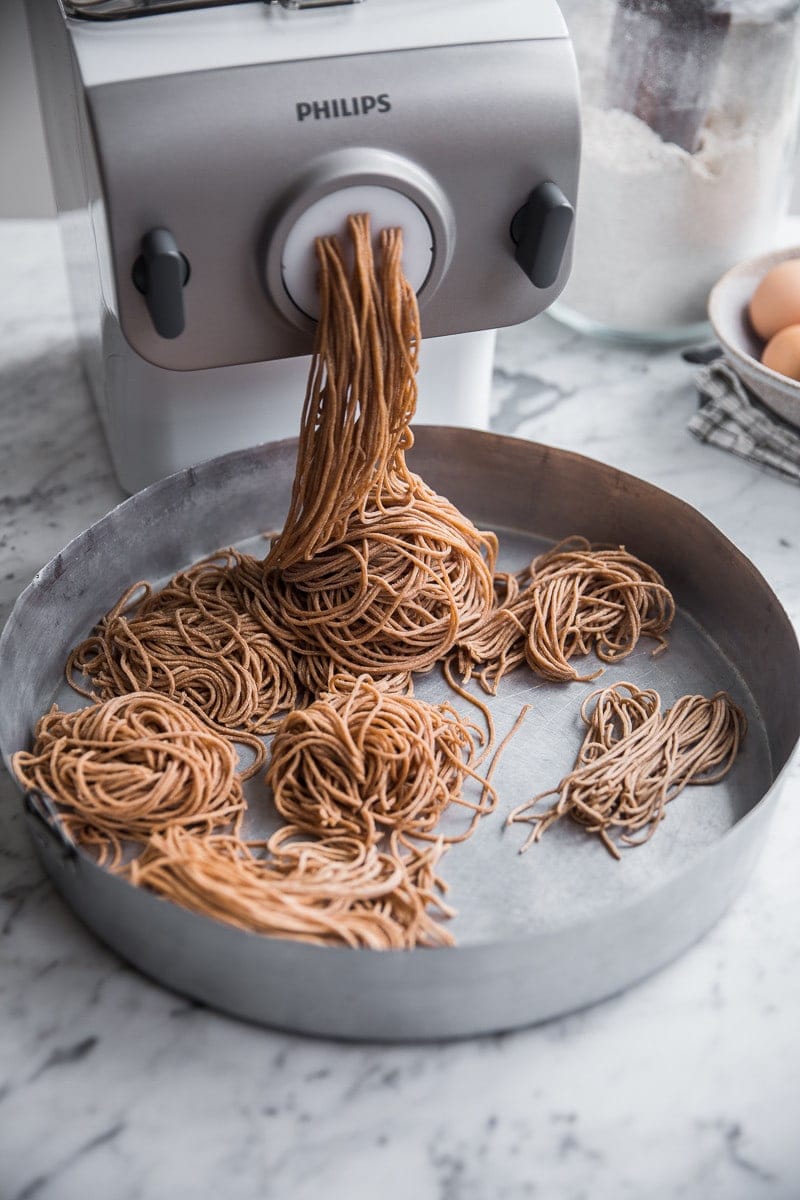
(685, 1086)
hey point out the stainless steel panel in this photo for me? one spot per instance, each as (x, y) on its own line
(223, 178)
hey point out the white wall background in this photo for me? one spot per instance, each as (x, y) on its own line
(24, 175)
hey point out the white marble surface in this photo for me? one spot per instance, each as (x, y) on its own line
(686, 1086)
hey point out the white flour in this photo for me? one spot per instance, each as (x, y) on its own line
(656, 225)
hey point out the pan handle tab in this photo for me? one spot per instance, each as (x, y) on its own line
(43, 810)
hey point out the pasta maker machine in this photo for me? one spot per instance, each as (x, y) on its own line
(197, 148)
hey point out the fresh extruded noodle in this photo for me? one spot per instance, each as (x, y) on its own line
(154, 792)
(361, 394)
(372, 567)
(200, 641)
(362, 762)
(337, 890)
(574, 597)
(634, 760)
(136, 765)
(395, 595)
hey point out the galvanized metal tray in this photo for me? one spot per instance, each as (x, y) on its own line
(539, 934)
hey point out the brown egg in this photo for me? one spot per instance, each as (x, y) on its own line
(776, 300)
(782, 352)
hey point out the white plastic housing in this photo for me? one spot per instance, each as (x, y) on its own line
(159, 421)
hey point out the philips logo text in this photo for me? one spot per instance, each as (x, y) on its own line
(351, 106)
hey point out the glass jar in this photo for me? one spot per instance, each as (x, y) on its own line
(690, 121)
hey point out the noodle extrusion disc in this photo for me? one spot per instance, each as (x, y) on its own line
(539, 934)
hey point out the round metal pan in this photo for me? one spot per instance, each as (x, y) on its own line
(537, 934)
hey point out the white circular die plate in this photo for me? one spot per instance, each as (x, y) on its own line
(328, 215)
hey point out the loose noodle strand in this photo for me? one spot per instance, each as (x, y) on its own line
(634, 760)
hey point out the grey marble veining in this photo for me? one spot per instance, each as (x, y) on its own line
(684, 1087)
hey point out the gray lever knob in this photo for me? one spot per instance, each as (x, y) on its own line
(541, 230)
(160, 273)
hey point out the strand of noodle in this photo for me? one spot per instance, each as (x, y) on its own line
(372, 571)
(483, 709)
(134, 765)
(574, 597)
(204, 640)
(339, 890)
(362, 762)
(634, 760)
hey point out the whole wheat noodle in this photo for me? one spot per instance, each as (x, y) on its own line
(392, 597)
(372, 567)
(133, 766)
(199, 641)
(634, 760)
(361, 394)
(398, 763)
(340, 890)
(572, 598)
(155, 793)
(361, 762)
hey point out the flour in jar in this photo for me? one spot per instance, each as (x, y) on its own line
(657, 225)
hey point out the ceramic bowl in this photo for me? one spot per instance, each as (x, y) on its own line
(727, 312)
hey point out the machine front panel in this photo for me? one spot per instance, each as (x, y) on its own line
(219, 158)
